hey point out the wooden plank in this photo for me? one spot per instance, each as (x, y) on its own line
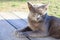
(7, 31)
(22, 15)
(48, 38)
(17, 22)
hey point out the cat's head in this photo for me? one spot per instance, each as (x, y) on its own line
(37, 11)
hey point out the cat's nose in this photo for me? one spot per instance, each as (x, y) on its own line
(39, 19)
(38, 16)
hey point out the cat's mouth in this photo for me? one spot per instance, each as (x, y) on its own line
(39, 20)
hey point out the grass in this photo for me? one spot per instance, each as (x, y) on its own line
(11, 5)
(54, 8)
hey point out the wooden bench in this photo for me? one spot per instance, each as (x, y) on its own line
(10, 22)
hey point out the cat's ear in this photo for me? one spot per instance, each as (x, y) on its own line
(30, 6)
(45, 6)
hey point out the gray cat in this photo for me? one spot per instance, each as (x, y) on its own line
(40, 23)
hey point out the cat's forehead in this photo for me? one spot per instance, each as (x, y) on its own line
(38, 5)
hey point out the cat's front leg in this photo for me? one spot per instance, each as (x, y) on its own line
(20, 32)
(32, 34)
(36, 34)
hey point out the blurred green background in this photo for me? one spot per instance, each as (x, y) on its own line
(21, 5)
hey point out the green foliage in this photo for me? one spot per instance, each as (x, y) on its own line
(53, 9)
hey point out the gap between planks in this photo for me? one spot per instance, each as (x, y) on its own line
(6, 30)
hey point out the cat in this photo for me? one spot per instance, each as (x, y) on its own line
(40, 22)
(38, 18)
(54, 30)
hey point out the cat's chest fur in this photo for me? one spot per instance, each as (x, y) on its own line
(41, 26)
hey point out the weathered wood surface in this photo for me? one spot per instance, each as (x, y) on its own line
(6, 31)
(9, 20)
(14, 20)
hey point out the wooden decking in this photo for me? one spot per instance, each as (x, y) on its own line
(10, 21)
